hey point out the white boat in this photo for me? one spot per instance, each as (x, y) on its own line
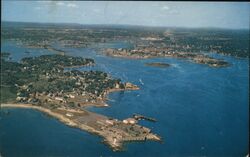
(141, 82)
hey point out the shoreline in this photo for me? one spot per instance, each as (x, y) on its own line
(86, 120)
(60, 117)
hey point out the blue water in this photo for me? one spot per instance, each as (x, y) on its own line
(18, 51)
(201, 111)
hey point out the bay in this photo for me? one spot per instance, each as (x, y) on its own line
(200, 111)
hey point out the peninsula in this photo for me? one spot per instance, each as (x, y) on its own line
(41, 83)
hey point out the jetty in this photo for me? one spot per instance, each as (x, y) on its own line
(141, 117)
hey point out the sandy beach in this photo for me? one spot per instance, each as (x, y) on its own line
(58, 116)
(61, 117)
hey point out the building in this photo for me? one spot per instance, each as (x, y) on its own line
(69, 114)
(110, 122)
(129, 121)
(71, 96)
(117, 85)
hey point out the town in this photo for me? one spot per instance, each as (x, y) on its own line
(187, 40)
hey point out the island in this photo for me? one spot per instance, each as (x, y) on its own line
(158, 64)
(149, 52)
(41, 83)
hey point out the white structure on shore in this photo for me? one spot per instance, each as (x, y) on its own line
(129, 121)
(69, 114)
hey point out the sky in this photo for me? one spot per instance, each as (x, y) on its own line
(233, 15)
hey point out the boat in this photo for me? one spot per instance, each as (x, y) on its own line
(141, 82)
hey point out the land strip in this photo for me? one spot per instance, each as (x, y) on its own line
(113, 131)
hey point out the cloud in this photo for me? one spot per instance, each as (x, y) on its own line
(165, 7)
(174, 11)
(43, 2)
(60, 3)
(72, 5)
(63, 4)
(97, 10)
(37, 8)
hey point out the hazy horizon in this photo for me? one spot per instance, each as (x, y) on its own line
(226, 15)
(129, 25)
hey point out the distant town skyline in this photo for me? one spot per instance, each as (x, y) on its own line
(232, 15)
